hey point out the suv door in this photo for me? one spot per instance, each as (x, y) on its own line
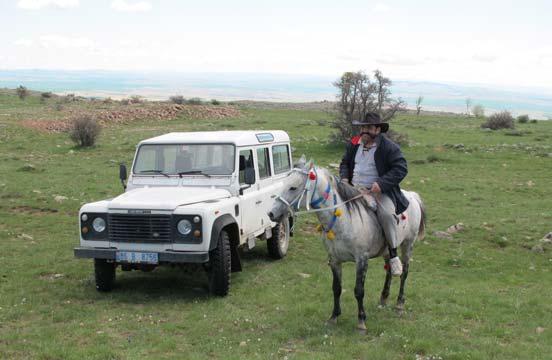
(250, 199)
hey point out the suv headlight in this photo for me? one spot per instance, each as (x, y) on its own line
(184, 227)
(98, 224)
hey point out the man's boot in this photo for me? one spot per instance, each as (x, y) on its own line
(396, 266)
(395, 263)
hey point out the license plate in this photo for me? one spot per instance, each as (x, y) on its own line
(137, 257)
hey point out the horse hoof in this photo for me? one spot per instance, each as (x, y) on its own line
(399, 308)
(361, 328)
(331, 321)
(382, 303)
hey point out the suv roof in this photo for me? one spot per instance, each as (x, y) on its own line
(238, 138)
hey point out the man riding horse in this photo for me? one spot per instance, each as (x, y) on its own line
(375, 165)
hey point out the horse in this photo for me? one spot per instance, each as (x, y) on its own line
(350, 229)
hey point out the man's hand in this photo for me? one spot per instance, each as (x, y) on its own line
(375, 189)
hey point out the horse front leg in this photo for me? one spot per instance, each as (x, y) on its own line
(400, 298)
(386, 284)
(361, 268)
(336, 286)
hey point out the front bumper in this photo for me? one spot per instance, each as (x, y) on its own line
(164, 257)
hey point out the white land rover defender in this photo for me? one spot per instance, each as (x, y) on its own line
(192, 197)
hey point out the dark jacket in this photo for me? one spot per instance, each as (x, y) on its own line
(391, 166)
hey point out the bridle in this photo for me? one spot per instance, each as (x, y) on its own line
(312, 177)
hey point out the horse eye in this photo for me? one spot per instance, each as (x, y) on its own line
(293, 188)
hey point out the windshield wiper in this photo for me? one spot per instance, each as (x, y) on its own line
(154, 171)
(193, 172)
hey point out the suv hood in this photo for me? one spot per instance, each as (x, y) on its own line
(161, 198)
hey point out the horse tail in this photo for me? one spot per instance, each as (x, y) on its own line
(421, 229)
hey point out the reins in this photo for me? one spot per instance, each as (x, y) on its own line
(313, 176)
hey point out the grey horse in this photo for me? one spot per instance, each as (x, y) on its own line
(350, 229)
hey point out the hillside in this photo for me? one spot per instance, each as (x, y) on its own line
(482, 292)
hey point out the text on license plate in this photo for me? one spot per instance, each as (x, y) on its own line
(137, 257)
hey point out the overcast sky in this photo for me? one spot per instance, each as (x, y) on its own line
(496, 42)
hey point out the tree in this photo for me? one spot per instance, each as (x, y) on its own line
(358, 95)
(419, 105)
(22, 92)
(468, 105)
(478, 111)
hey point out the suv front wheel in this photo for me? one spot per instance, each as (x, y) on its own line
(279, 242)
(220, 266)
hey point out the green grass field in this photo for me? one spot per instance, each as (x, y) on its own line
(482, 294)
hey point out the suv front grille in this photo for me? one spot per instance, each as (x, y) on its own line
(139, 228)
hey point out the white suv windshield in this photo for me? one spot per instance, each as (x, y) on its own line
(173, 159)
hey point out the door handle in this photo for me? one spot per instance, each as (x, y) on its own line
(258, 202)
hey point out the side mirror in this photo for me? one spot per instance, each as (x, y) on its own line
(123, 174)
(249, 175)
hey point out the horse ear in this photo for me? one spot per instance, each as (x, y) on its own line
(301, 162)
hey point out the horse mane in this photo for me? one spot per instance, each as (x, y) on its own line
(347, 192)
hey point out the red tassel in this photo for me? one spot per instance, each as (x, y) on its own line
(403, 217)
(386, 266)
(312, 176)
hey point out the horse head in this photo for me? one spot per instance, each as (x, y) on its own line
(303, 188)
(292, 194)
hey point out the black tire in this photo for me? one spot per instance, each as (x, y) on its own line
(278, 244)
(105, 274)
(220, 266)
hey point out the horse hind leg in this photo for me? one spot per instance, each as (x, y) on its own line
(361, 268)
(336, 287)
(386, 285)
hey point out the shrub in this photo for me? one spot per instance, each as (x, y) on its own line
(215, 102)
(534, 121)
(523, 119)
(178, 99)
(125, 101)
(85, 131)
(59, 106)
(433, 158)
(194, 101)
(136, 99)
(501, 120)
(22, 92)
(70, 98)
(398, 138)
(46, 95)
(478, 111)
(107, 100)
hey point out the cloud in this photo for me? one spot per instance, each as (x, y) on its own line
(380, 7)
(484, 58)
(24, 42)
(64, 42)
(39, 4)
(399, 60)
(126, 6)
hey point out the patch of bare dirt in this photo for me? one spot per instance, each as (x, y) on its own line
(128, 114)
(32, 210)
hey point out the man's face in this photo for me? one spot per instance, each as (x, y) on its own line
(369, 132)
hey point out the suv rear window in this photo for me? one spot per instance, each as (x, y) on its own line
(280, 158)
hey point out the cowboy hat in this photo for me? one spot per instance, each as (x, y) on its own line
(372, 118)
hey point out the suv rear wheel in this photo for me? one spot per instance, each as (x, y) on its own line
(220, 266)
(279, 242)
(105, 274)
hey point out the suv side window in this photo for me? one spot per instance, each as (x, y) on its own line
(246, 160)
(280, 158)
(263, 161)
